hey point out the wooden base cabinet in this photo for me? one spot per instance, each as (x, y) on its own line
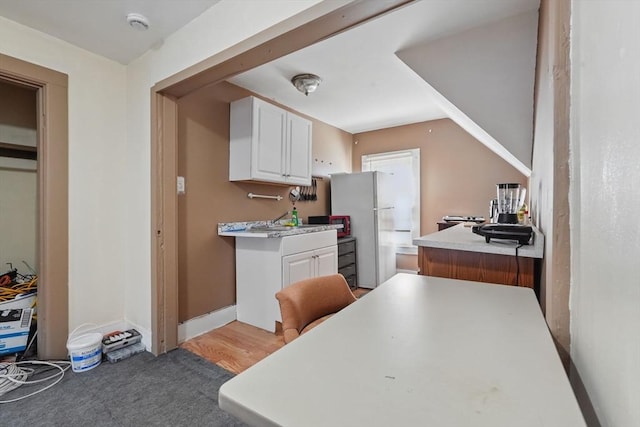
(478, 266)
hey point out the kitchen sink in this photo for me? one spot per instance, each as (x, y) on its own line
(264, 229)
(267, 228)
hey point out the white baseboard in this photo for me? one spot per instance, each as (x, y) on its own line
(105, 328)
(187, 330)
(119, 325)
(205, 323)
(401, 270)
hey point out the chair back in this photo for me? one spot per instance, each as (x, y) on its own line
(308, 300)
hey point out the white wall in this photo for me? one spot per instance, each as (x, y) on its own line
(605, 201)
(97, 169)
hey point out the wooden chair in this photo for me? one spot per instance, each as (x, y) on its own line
(306, 304)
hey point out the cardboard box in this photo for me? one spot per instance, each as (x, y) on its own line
(28, 301)
(14, 330)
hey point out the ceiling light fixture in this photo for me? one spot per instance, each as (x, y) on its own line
(138, 21)
(306, 83)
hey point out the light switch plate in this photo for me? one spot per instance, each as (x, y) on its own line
(181, 185)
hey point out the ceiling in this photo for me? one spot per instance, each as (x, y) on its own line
(364, 85)
(100, 26)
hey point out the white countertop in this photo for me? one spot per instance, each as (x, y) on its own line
(416, 351)
(244, 229)
(461, 238)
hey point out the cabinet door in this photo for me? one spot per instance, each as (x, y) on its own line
(326, 261)
(298, 150)
(268, 148)
(298, 267)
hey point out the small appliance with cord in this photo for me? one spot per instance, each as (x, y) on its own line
(521, 233)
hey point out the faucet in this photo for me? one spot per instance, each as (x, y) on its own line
(273, 221)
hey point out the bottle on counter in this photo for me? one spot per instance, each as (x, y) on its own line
(294, 217)
(523, 214)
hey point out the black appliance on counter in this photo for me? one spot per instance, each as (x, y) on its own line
(457, 218)
(345, 220)
(520, 233)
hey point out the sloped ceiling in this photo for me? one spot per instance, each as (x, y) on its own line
(483, 79)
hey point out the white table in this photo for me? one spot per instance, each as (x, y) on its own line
(416, 351)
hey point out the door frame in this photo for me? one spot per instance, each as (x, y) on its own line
(315, 24)
(53, 200)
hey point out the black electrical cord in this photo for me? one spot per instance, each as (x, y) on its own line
(518, 265)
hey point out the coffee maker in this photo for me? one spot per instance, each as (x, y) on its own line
(510, 198)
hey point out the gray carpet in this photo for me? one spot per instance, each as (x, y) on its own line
(174, 389)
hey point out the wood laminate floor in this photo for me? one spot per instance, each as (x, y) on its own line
(237, 346)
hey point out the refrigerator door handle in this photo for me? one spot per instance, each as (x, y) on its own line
(382, 209)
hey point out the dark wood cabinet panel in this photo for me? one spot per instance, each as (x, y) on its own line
(477, 266)
(444, 225)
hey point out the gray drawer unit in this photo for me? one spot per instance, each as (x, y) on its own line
(347, 260)
(346, 245)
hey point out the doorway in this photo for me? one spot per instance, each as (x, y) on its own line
(52, 199)
(315, 24)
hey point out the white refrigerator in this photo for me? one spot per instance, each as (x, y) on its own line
(367, 197)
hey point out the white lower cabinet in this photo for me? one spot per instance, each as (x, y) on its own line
(308, 264)
(266, 265)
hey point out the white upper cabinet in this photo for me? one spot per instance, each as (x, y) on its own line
(268, 144)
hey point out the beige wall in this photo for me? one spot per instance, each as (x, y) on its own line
(458, 173)
(331, 150)
(458, 177)
(17, 114)
(550, 175)
(206, 261)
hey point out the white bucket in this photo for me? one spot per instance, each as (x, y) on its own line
(85, 351)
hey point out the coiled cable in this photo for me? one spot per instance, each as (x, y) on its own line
(15, 374)
(11, 377)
